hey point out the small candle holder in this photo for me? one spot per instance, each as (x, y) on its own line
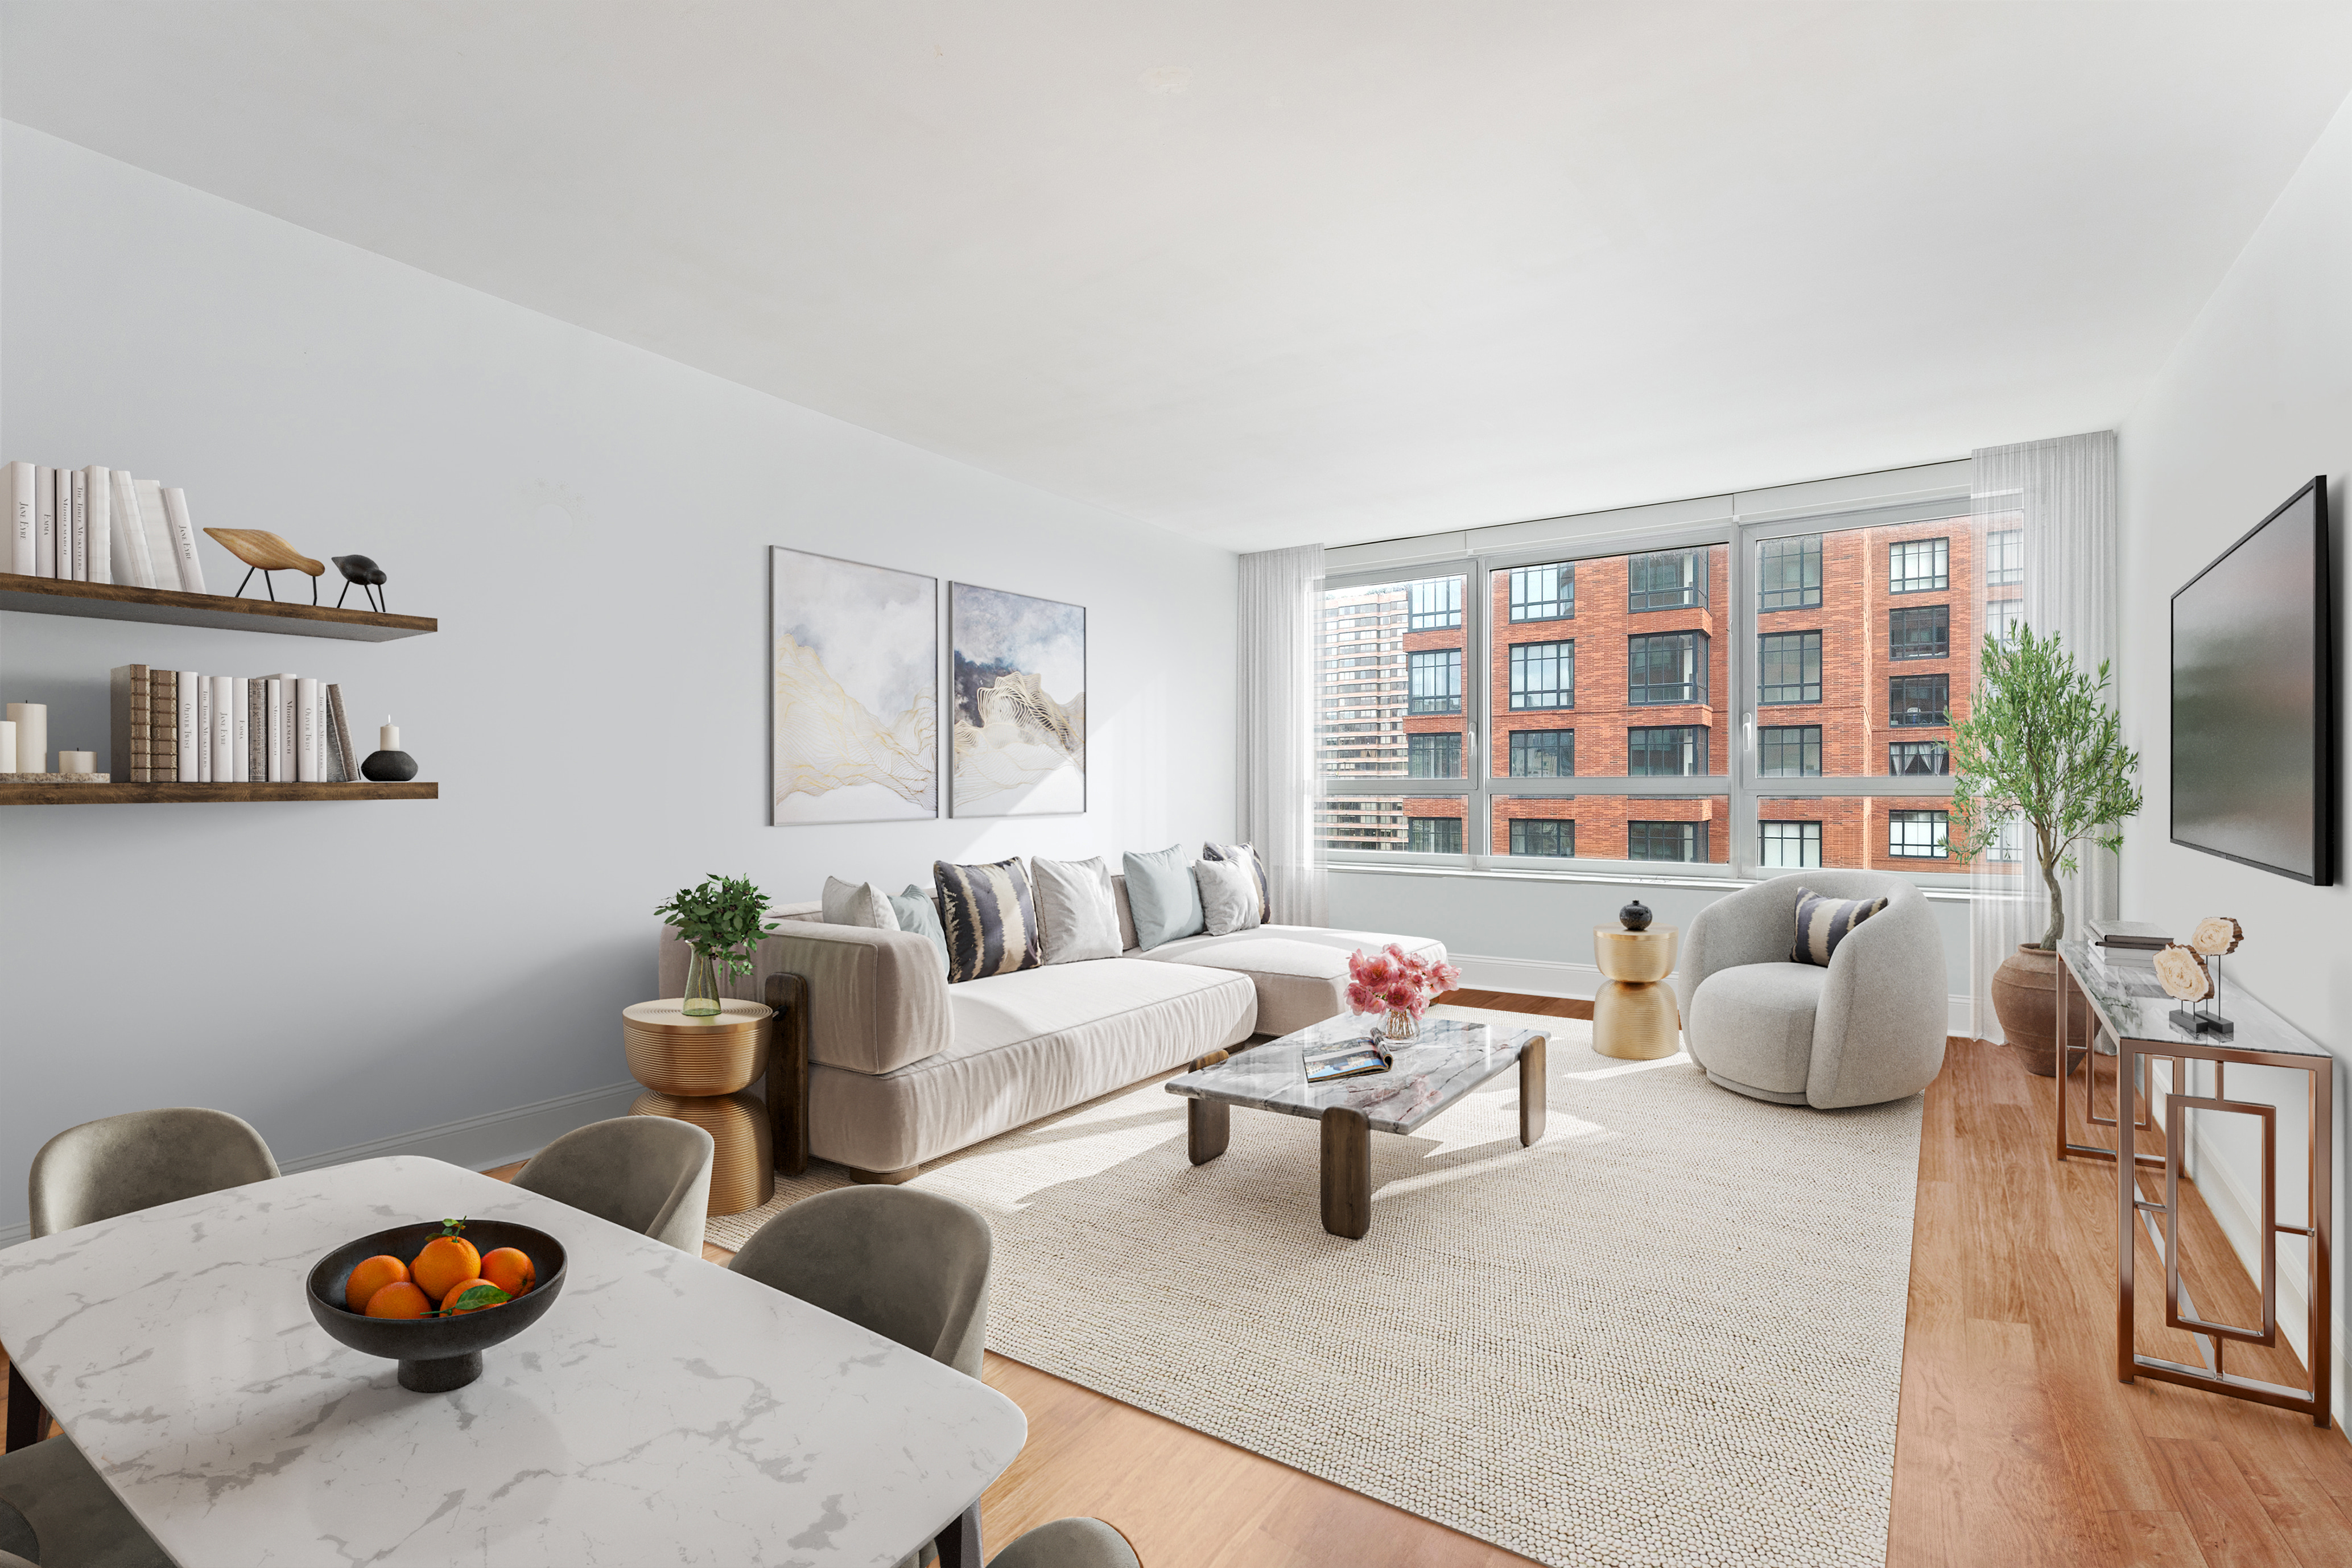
(389, 767)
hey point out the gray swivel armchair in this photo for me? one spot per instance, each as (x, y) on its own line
(1867, 1028)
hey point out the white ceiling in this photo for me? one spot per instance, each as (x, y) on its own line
(1271, 272)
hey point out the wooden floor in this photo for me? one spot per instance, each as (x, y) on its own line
(2015, 1447)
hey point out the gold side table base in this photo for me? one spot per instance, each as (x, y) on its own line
(1636, 1021)
(743, 1166)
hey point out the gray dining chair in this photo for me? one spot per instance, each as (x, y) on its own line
(646, 1174)
(72, 1518)
(1069, 1543)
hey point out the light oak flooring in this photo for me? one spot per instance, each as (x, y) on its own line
(2015, 1447)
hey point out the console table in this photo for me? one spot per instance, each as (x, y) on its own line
(2134, 1011)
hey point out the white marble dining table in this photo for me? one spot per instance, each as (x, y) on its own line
(665, 1410)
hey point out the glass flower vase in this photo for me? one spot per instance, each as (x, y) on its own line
(701, 999)
(1403, 1025)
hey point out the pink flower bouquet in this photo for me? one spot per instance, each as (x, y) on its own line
(1397, 984)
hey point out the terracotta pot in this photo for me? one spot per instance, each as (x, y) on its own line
(2025, 999)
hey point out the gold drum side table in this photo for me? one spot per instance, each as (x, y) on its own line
(743, 1165)
(696, 1069)
(1634, 1014)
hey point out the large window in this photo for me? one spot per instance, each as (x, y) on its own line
(1434, 834)
(1925, 632)
(1666, 667)
(1666, 580)
(1434, 680)
(1543, 675)
(1674, 750)
(1543, 836)
(1436, 604)
(2004, 558)
(1788, 573)
(1665, 840)
(1904, 757)
(1789, 666)
(1788, 750)
(1434, 756)
(1915, 835)
(1783, 845)
(1914, 700)
(1543, 753)
(1544, 593)
(1918, 565)
(2002, 617)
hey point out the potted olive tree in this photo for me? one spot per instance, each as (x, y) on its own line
(2040, 748)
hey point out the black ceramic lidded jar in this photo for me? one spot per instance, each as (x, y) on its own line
(1634, 916)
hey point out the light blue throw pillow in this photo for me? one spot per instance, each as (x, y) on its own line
(915, 911)
(1165, 900)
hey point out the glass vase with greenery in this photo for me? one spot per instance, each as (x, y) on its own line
(720, 921)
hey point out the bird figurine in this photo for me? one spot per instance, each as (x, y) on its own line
(358, 569)
(265, 552)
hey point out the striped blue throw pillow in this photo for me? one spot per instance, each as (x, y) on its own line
(1822, 923)
(990, 919)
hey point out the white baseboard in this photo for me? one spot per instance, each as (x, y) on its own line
(1541, 977)
(477, 1142)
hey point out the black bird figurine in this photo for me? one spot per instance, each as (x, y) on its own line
(358, 569)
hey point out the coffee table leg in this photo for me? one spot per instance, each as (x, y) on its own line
(1347, 1173)
(1208, 1128)
(1532, 1102)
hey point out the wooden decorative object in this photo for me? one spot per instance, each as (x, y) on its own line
(743, 1166)
(1347, 1173)
(672, 1053)
(2217, 936)
(788, 1073)
(83, 794)
(176, 608)
(2182, 971)
(265, 552)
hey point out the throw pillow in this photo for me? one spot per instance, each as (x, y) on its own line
(916, 912)
(1228, 896)
(857, 904)
(1249, 859)
(1164, 898)
(1077, 919)
(1822, 923)
(990, 919)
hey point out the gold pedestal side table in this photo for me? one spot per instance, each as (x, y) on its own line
(1634, 1016)
(697, 1069)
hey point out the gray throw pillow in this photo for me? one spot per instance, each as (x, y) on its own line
(916, 912)
(1228, 897)
(1822, 923)
(1249, 859)
(1165, 899)
(990, 919)
(857, 904)
(1074, 909)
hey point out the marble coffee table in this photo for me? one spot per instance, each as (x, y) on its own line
(1451, 1059)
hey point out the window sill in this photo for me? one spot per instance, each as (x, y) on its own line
(1631, 874)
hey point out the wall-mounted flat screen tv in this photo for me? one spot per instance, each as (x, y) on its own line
(2253, 699)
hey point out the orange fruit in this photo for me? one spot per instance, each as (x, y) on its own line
(446, 1261)
(455, 1303)
(398, 1299)
(371, 1276)
(510, 1270)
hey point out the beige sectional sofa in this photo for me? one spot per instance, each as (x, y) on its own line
(903, 1068)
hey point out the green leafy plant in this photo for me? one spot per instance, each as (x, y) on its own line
(721, 920)
(2040, 746)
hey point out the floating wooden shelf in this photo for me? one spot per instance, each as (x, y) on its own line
(170, 607)
(206, 794)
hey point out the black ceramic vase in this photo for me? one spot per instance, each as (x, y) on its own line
(1634, 916)
(389, 767)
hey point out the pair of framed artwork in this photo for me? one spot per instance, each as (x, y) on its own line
(857, 696)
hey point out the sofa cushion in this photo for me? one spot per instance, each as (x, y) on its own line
(1228, 897)
(1758, 1022)
(1823, 922)
(1246, 856)
(1300, 971)
(857, 904)
(1075, 912)
(1163, 896)
(917, 911)
(990, 919)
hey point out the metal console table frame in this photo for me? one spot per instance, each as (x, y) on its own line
(2136, 1015)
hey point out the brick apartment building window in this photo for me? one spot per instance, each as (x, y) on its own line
(1666, 580)
(1918, 565)
(1434, 834)
(1789, 844)
(1916, 835)
(1789, 666)
(1917, 757)
(1666, 667)
(1543, 753)
(1434, 756)
(1674, 750)
(1922, 633)
(1665, 840)
(1434, 606)
(2005, 558)
(1544, 593)
(1434, 681)
(1918, 699)
(1788, 573)
(1544, 838)
(2002, 617)
(1543, 675)
(1789, 751)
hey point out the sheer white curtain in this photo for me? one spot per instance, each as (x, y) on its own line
(2047, 533)
(1281, 598)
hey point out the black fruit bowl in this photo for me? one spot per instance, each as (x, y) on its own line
(435, 1354)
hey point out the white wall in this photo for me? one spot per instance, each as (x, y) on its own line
(590, 523)
(2256, 399)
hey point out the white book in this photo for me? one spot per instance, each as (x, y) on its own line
(132, 564)
(203, 729)
(223, 688)
(184, 541)
(23, 518)
(192, 763)
(75, 483)
(99, 484)
(241, 705)
(162, 553)
(307, 759)
(273, 744)
(44, 498)
(287, 691)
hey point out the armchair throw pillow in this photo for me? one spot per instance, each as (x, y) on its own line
(1822, 923)
(1250, 860)
(1164, 898)
(990, 919)
(1075, 911)
(1228, 896)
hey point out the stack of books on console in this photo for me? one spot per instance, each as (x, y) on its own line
(2128, 946)
(97, 525)
(178, 726)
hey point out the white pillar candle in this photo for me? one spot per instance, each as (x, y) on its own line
(8, 745)
(32, 721)
(388, 737)
(77, 762)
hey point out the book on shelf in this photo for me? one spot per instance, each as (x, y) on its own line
(161, 549)
(1356, 1058)
(338, 732)
(73, 492)
(44, 498)
(128, 713)
(257, 727)
(183, 540)
(162, 727)
(98, 488)
(191, 750)
(132, 564)
(240, 695)
(308, 716)
(23, 518)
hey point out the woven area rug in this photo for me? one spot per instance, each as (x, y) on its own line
(1670, 1333)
